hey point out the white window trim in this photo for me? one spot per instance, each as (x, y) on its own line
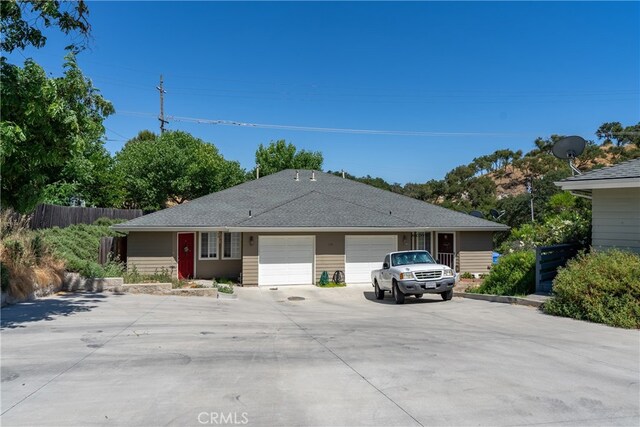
(200, 257)
(239, 243)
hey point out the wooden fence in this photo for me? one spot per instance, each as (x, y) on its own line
(112, 248)
(548, 260)
(48, 216)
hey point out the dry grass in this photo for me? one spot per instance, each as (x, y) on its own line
(31, 267)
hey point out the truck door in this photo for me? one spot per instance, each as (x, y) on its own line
(385, 273)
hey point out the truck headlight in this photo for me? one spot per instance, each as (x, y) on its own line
(447, 272)
(406, 276)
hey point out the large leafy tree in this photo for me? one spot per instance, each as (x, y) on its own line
(24, 22)
(46, 123)
(90, 179)
(171, 169)
(280, 155)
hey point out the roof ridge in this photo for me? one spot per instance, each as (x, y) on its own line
(275, 207)
(367, 207)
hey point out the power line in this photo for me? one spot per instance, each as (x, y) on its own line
(335, 130)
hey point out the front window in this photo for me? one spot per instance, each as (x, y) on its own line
(423, 241)
(415, 257)
(209, 245)
(231, 246)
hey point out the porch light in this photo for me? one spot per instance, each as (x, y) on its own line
(251, 240)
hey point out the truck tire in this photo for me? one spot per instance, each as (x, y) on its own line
(447, 295)
(398, 296)
(418, 295)
(379, 292)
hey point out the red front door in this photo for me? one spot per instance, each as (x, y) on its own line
(186, 247)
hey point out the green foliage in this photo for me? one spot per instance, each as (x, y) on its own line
(46, 123)
(615, 132)
(91, 178)
(602, 287)
(225, 288)
(324, 279)
(279, 156)
(21, 20)
(466, 275)
(333, 284)
(173, 168)
(224, 281)
(514, 274)
(79, 245)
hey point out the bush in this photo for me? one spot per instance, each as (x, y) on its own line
(514, 274)
(79, 245)
(602, 287)
(27, 264)
(466, 275)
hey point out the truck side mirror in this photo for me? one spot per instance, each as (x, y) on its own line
(385, 266)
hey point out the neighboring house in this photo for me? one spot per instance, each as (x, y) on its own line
(289, 227)
(615, 196)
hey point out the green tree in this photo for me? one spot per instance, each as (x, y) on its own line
(90, 179)
(46, 122)
(23, 22)
(173, 168)
(279, 156)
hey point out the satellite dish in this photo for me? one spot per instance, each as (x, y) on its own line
(477, 214)
(569, 148)
(496, 214)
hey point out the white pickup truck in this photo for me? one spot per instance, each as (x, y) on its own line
(412, 273)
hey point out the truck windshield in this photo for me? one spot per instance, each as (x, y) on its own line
(406, 258)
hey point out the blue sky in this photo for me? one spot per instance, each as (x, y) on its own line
(503, 72)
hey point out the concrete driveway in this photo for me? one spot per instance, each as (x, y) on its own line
(338, 357)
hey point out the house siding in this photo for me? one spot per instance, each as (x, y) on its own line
(474, 251)
(616, 218)
(330, 252)
(149, 252)
(153, 251)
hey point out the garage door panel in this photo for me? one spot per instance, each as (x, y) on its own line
(364, 254)
(285, 260)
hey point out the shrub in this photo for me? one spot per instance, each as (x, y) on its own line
(514, 274)
(225, 289)
(466, 275)
(602, 287)
(27, 264)
(79, 246)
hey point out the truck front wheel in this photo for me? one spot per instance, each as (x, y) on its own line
(379, 292)
(398, 296)
(447, 295)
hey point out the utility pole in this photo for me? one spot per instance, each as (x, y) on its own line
(161, 116)
(530, 191)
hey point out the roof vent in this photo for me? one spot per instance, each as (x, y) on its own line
(342, 173)
(249, 213)
(313, 175)
(297, 178)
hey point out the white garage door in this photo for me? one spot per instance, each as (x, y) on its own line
(285, 260)
(366, 253)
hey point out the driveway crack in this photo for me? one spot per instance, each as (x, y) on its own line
(354, 370)
(82, 358)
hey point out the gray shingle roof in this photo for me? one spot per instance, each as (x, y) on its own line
(624, 170)
(278, 200)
